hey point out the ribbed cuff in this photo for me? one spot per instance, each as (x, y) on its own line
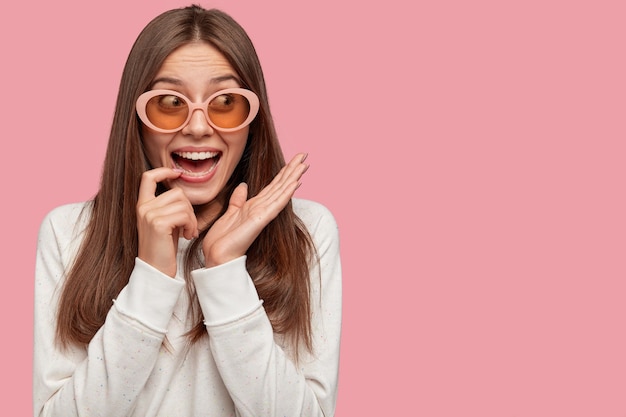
(226, 292)
(149, 297)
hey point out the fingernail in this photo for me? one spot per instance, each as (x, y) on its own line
(179, 170)
(304, 157)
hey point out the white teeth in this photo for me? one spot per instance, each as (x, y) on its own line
(196, 174)
(196, 156)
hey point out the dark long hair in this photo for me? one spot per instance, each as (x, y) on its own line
(278, 260)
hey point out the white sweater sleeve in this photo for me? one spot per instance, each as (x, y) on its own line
(105, 378)
(261, 377)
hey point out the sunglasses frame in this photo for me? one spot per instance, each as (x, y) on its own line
(142, 103)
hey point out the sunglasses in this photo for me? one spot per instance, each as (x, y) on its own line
(168, 111)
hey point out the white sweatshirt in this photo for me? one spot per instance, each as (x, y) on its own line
(241, 369)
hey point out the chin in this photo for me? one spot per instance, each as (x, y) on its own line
(201, 197)
(196, 200)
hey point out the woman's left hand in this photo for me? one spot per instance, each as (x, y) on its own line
(233, 233)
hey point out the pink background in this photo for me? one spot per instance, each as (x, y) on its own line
(472, 152)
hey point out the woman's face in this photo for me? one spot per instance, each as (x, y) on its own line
(206, 156)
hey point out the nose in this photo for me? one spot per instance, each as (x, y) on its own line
(198, 125)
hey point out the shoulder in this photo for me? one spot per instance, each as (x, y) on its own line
(60, 235)
(317, 218)
(313, 213)
(65, 222)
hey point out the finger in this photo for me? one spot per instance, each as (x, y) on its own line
(190, 227)
(150, 179)
(297, 162)
(289, 173)
(295, 168)
(239, 195)
(190, 233)
(171, 196)
(275, 198)
(289, 180)
(165, 219)
(170, 203)
(173, 200)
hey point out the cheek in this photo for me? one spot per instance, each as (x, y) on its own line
(236, 151)
(238, 143)
(154, 146)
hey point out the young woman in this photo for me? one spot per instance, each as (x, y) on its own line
(193, 284)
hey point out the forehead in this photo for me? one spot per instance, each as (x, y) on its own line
(195, 60)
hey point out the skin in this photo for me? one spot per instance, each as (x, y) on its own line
(198, 70)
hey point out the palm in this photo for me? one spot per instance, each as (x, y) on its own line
(233, 233)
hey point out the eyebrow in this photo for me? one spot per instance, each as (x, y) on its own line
(176, 81)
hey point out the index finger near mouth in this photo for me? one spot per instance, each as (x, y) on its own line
(150, 179)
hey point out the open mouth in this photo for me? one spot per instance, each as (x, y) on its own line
(196, 164)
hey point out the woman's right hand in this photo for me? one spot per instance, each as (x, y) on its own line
(160, 218)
